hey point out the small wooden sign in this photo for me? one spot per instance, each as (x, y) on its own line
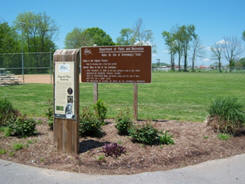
(116, 64)
(66, 99)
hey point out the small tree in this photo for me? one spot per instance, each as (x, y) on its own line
(232, 49)
(217, 53)
(197, 50)
(171, 43)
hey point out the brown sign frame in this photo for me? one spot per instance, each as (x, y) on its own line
(116, 64)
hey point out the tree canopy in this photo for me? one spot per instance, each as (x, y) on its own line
(87, 37)
(37, 31)
(8, 39)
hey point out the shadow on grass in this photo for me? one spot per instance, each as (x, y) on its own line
(87, 145)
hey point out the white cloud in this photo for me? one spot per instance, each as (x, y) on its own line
(221, 42)
(206, 59)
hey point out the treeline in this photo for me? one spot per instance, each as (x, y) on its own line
(35, 33)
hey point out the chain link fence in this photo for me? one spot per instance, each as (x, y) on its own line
(32, 67)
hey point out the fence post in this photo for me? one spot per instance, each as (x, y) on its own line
(50, 66)
(22, 66)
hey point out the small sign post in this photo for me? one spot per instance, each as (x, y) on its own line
(117, 64)
(66, 99)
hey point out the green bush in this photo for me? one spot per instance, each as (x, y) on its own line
(50, 115)
(22, 127)
(123, 122)
(89, 124)
(6, 112)
(100, 110)
(226, 115)
(17, 146)
(165, 138)
(146, 135)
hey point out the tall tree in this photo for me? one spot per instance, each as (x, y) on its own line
(188, 33)
(126, 37)
(179, 45)
(37, 31)
(171, 43)
(77, 38)
(8, 39)
(197, 51)
(232, 49)
(217, 53)
(87, 37)
(136, 36)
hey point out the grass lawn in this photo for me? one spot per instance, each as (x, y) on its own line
(179, 96)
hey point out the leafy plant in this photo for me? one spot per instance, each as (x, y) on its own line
(3, 151)
(223, 136)
(101, 158)
(6, 112)
(123, 123)
(11, 154)
(50, 115)
(226, 115)
(6, 131)
(166, 138)
(113, 150)
(17, 146)
(149, 135)
(22, 127)
(100, 110)
(145, 134)
(89, 125)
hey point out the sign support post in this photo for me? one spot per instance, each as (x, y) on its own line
(135, 101)
(66, 100)
(95, 93)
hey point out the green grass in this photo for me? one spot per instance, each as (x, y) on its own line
(223, 137)
(18, 146)
(178, 96)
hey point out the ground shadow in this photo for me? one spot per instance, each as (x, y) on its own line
(87, 145)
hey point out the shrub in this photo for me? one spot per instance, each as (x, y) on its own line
(50, 115)
(89, 125)
(113, 149)
(146, 135)
(22, 127)
(123, 123)
(223, 137)
(6, 112)
(226, 115)
(17, 146)
(2, 151)
(100, 110)
(166, 138)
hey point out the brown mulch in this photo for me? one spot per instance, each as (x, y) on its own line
(194, 143)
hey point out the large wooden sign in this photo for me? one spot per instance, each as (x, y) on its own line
(116, 64)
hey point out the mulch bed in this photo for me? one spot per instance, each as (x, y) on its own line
(194, 143)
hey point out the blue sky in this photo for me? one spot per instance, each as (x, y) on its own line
(213, 19)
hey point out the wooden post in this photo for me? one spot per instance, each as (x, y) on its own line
(135, 101)
(95, 92)
(66, 128)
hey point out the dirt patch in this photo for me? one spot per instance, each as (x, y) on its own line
(37, 78)
(194, 143)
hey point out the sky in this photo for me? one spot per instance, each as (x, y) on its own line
(213, 19)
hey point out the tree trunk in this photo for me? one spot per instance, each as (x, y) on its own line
(185, 61)
(179, 61)
(220, 66)
(172, 61)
